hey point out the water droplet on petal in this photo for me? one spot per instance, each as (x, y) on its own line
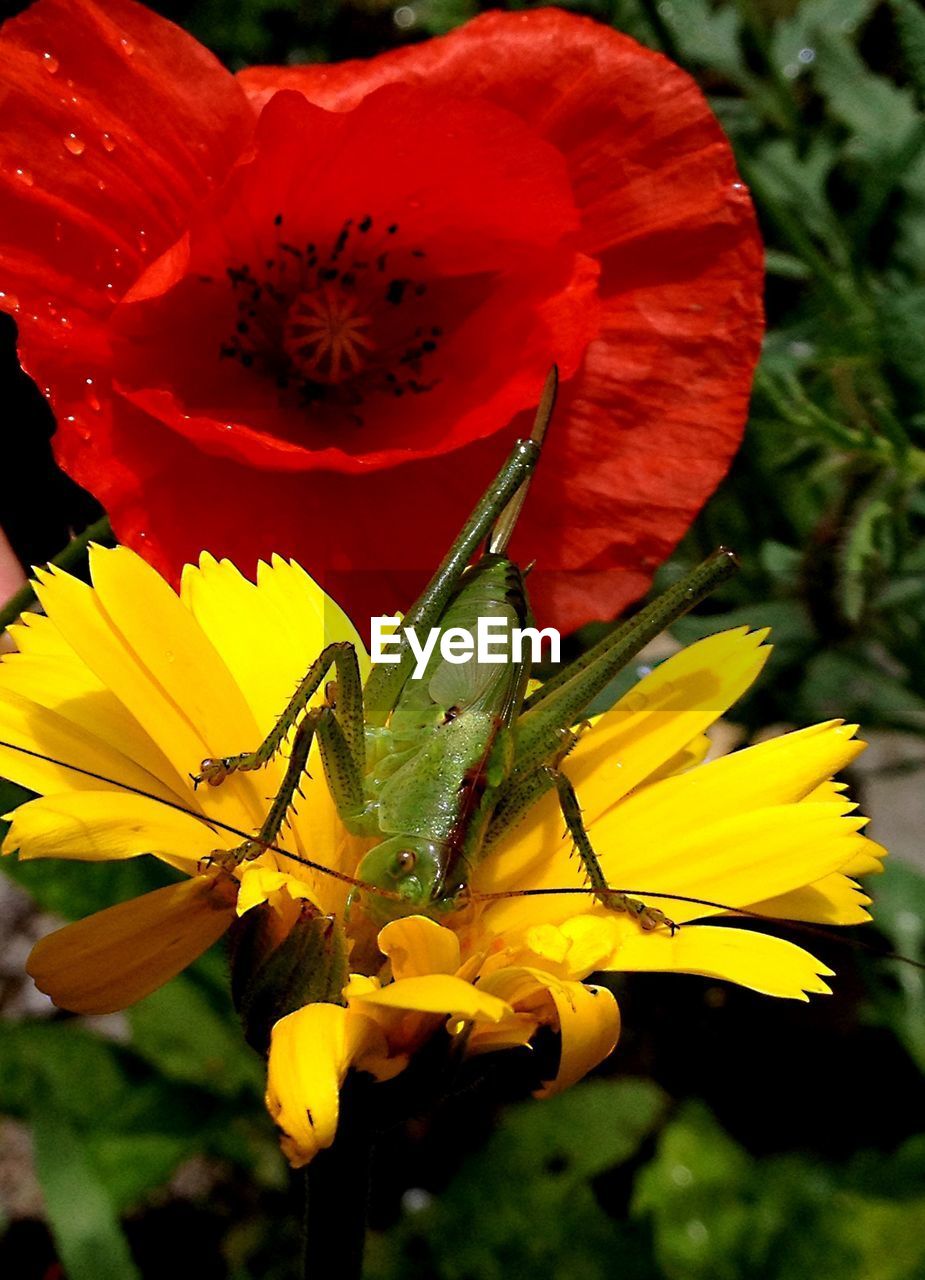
(127, 47)
(75, 145)
(109, 142)
(50, 63)
(9, 301)
(24, 176)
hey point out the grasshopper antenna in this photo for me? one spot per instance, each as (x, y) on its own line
(503, 527)
(212, 823)
(798, 926)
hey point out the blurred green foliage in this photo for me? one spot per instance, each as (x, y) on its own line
(757, 1141)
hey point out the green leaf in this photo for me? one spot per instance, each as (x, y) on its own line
(720, 1214)
(862, 554)
(813, 18)
(910, 23)
(42, 1062)
(81, 1214)
(899, 912)
(132, 1164)
(851, 685)
(525, 1205)
(77, 889)
(707, 35)
(179, 1030)
(870, 106)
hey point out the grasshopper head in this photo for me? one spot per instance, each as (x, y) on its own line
(406, 865)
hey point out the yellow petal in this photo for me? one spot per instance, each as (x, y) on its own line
(440, 994)
(65, 685)
(261, 883)
(77, 612)
(268, 634)
(637, 738)
(36, 634)
(175, 655)
(833, 900)
(43, 732)
(586, 1017)
(734, 860)
(167, 676)
(118, 956)
(589, 1024)
(512, 1032)
(687, 758)
(663, 714)
(572, 950)
(102, 825)
(866, 859)
(418, 946)
(769, 965)
(311, 1052)
(777, 772)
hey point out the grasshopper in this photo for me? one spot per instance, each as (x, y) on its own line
(439, 768)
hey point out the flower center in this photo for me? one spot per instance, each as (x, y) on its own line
(334, 323)
(325, 335)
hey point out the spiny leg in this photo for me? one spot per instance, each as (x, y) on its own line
(648, 917)
(343, 779)
(494, 516)
(341, 655)
(517, 798)
(565, 697)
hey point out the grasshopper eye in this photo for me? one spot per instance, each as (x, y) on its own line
(406, 860)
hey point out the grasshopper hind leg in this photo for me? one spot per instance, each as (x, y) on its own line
(648, 917)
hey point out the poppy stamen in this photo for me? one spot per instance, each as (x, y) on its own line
(325, 330)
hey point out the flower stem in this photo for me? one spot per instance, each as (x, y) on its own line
(65, 559)
(336, 1194)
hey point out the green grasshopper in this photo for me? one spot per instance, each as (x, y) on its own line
(439, 768)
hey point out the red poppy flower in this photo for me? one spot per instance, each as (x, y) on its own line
(303, 309)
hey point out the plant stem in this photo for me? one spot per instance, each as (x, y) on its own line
(336, 1194)
(65, 559)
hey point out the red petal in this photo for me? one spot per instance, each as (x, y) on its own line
(648, 426)
(480, 200)
(115, 122)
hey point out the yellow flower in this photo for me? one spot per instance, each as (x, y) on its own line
(135, 686)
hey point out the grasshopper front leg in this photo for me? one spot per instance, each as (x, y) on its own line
(341, 774)
(341, 655)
